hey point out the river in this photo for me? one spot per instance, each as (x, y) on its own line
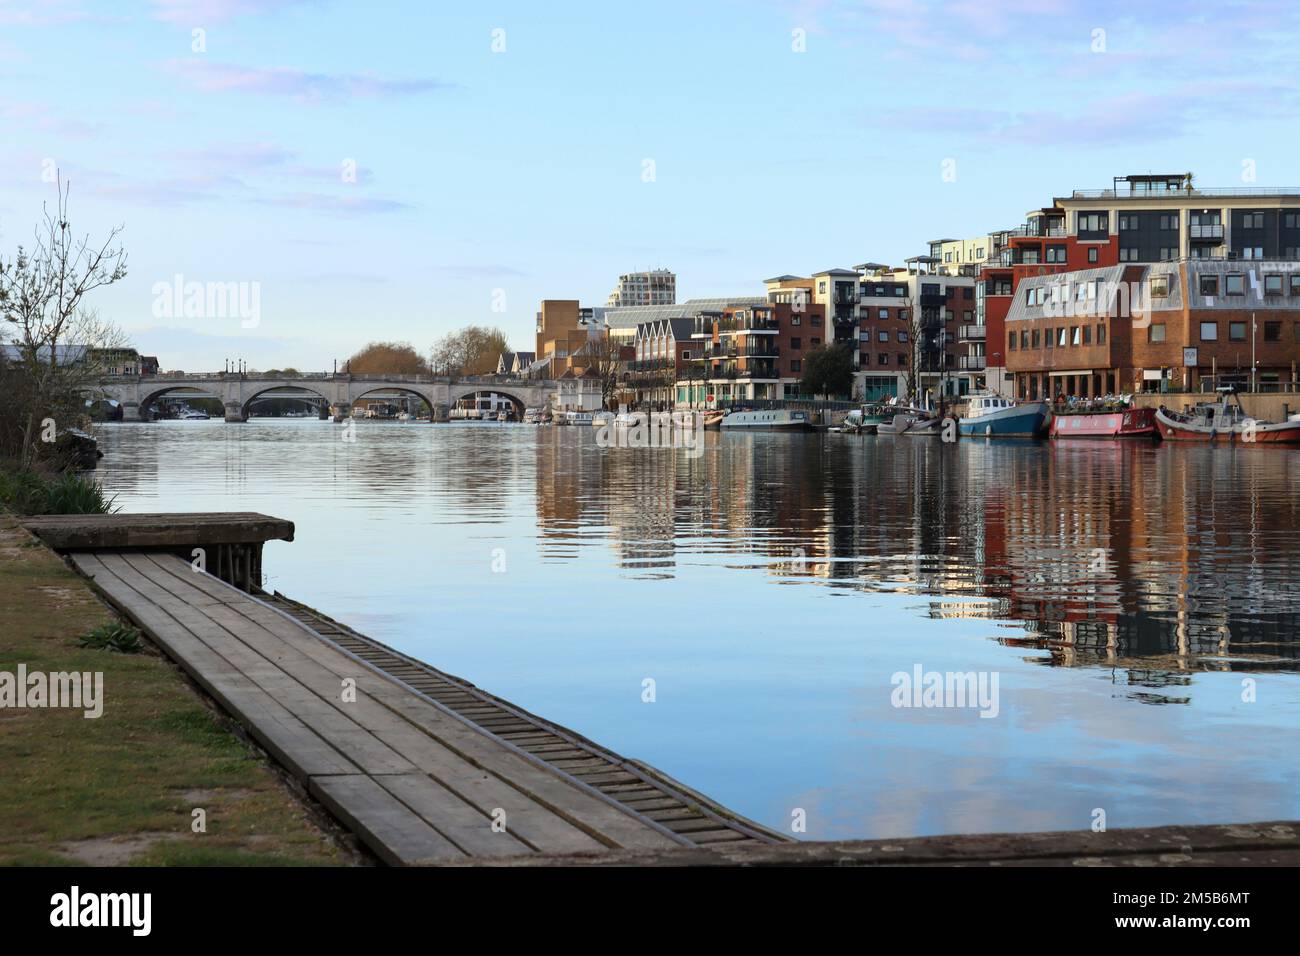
(1134, 606)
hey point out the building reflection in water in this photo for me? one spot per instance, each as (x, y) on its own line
(1155, 560)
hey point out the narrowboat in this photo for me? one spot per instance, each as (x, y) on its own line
(713, 419)
(1104, 422)
(1224, 421)
(778, 419)
(992, 416)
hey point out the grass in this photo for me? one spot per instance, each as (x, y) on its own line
(122, 788)
(31, 492)
(114, 636)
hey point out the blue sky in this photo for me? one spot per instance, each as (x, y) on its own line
(487, 179)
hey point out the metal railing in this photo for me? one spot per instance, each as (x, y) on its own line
(972, 333)
(1179, 193)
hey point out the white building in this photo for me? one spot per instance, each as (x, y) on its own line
(657, 287)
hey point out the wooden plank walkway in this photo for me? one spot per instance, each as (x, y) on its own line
(642, 788)
(418, 782)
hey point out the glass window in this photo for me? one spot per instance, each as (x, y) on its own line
(902, 335)
(1236, 331)
(1235, 284)
(1156, 332)
(1209, 331)
(882, 336)
(883, 358)
(1209, 285)
(1272, 331)
(1272, 285)
(1011, 341)
(1092, 254)
(1101, 334)
(1159, 286)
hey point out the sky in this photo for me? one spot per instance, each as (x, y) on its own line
(395, 170)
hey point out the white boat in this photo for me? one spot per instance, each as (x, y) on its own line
(195, 415)
(602, 418)
(577, 418)
(779, 419)
(629, 419)
(898, 424)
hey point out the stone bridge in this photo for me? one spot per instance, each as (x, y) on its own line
(237, 391)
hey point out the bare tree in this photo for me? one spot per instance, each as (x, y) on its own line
(59, 343)
(915, 330)
(473, 350)
(602, 357)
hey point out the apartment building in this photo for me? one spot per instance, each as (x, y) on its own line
(1140, 219)
(963, 256)
(749, 352)
(656, 287)
(563, 329)
(1190, 324)
(663, 348)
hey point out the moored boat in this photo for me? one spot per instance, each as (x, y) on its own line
(898, 424)
(713, 419)
(779, 419)
(1224, 421)
(930, 426)
(1105, 422)
(992, 416)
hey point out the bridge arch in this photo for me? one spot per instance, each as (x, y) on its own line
(246, 402)
(197, 390)
(396, 387)
(517, 397)
(278, 390)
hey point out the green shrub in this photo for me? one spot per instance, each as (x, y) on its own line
(28, 492)
(122, 638)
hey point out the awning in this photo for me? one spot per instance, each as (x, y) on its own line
(1078, 371)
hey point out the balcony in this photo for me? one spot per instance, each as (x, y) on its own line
(650, 365)
(971, 333)
(971, 363)
(1206, 232)
(1039, 230)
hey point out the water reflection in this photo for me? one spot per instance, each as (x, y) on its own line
(773, 585)
(1109, 553)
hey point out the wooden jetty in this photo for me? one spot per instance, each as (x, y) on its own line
(424, 767)
(230, 543)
